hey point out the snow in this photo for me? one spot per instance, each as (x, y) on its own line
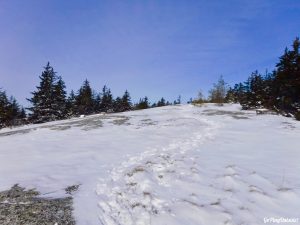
(167, 165)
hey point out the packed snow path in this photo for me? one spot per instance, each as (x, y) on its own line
(170, 165)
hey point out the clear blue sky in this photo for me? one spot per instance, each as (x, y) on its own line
(154, 48)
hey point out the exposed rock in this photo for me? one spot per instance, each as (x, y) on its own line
(24, 207)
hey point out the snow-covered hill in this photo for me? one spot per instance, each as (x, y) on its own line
(180, 165)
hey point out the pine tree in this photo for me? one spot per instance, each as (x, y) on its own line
(230, 96)
(143, 104)
(97, 103)
(59, 99)
(106, 104)
(287, 80)
(218, 92)
(161, 102)
(126, 102)
(43, 104)
(71, 104)
(118, 105)
(11, 114)
(178, 101)
(84, 99)
(3, 109)
(256, 91)
(22, 114)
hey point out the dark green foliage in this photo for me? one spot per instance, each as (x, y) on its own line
(48, 101)
(161, 102)
(107, 102)
(279, 90)
(252, 93)
(84, 103)
(118, 105)
(122, 104)
(287, 80)
(143, 104)
(97, 102)
(71, 104)
(126, 101)
(230, 96)
(178, 101)
(59, 98)
(11, 114)
(3, 108)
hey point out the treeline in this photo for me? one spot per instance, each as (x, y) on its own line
(11, 113)
(278, 90)
(217, 94)
(50, 102)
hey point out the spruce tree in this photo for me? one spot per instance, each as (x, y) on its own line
(71, 104)
(143, 103)
(3, 109)
(22, 114)
(59, 99)
(126, 102)
(287, 80)
(218, 93)
(97, 103)
(118, 105)
(11, 114)
(43, 105)
(161, 102)
(84, 99)
(256, 91)
(106, 104)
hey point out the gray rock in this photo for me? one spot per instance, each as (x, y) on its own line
(24, 207)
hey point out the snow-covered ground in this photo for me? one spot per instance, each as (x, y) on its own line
(180, 165)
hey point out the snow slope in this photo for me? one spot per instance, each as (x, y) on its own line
(169, 165)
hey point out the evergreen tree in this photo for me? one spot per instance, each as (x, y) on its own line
(3, 108)
(43, 104)
(200, 98)
(269, 91)
(22, 114)
(97, 103)
(126, 102)
(84, 99)
(218, 92)
(11, 114)
(143, 104)
(178, 101)
(161, 102)
(59, 99)
(230, 96)
(118, 105)
(287, 80)
(71, 104)
(106, 104)
(154, 105)
(256, 92)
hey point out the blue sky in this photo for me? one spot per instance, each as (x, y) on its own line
(154, 48)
